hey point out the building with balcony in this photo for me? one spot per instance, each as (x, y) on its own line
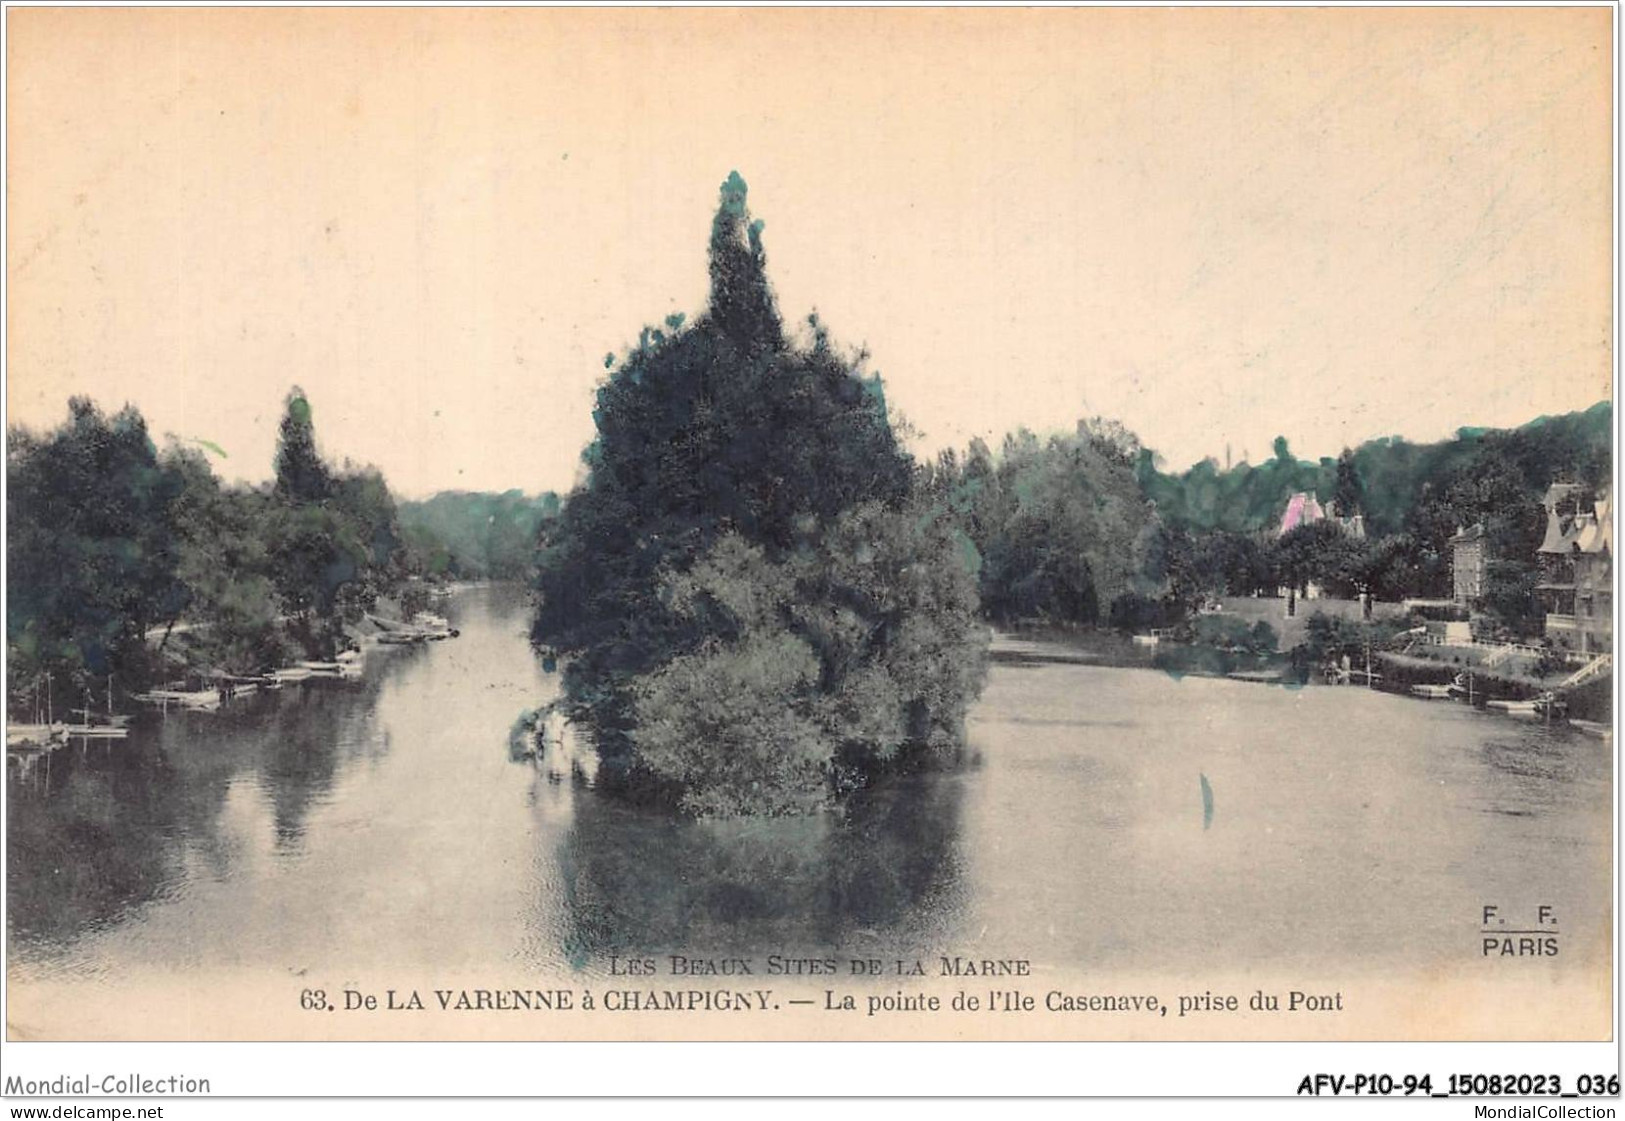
(1578, 571)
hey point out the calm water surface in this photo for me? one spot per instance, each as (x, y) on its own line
(339, 825)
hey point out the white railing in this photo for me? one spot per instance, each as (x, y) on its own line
(1594, 668)
(1505, 650)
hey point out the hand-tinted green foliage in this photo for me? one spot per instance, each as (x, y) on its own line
(1320, 553)
(225, 564)
(1348, 492)
(707, 729)
(1061, 528)
(1329, 638)
(1488, 488)
(1244, 499)
(141, 565)
(870, 634)
(1062, 534)
(301, 476)
(1226, 632)
(865, 640)
(1512, 610)
(334, 538)
(1413, 497)
(751, 607)
(91, 549)
(465, 536)
(1237, 564)
(1136, 613)
(1390, 477)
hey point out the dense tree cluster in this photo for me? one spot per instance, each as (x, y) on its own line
(1061, 528)
(1085, 529)
(334, 539)
(1384, 479)
(133, 563)
(93, 556)
(754, 604)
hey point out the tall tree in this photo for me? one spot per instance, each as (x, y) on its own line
(301, 476)
(773, 470)
(335, 538)
(1348, 492)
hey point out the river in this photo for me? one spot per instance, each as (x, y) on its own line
(335, 826)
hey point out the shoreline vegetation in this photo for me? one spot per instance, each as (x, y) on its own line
(132, 567)
(759, 600)
(1396, 662)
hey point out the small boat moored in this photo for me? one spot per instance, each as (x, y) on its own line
(246, 685)
(35, 737)
(98, 732)
(191, 700)
(1547, 706)
(346, 665)
(423, 627)
(96, 726)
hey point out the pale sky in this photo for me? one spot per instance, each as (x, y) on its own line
(1215, 225)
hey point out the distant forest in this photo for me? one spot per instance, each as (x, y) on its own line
(464, 535)
(1391, 477)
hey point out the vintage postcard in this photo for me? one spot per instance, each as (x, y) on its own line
(903, 524)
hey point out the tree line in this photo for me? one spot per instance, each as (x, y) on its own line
(759, 600)
(134, 564)
(1084, 528)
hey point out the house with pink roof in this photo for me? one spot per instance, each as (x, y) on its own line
(1304, 508)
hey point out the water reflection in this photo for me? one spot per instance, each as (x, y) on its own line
(90, 845)
(885, 872)
(380, 825)
(104, 827)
